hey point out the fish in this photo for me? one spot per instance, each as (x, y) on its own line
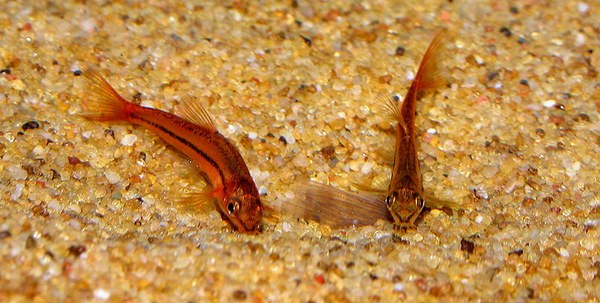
(231, 187)
(405, 198)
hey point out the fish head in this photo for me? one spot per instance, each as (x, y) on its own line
(243, 208)
(404, 205)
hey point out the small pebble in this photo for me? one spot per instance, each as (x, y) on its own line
(549, 103)
(579, 39)
(129, 140)
(288, 138)
(466, 245)
(240, 295)
(4, 234)
(262, 191)
(76, 224)
(112, 177)
(233, 128)
(101, 294)
(583, 8)
(301, 160)
(482, 193)
(505, 31)
(16, 172)
(87, 134)
(17, 192)
(400, 51)
(30, 125)
(77, 250)
(366, 168)
(398, 287)
(73, 160)
(286, 226)
(490, 171)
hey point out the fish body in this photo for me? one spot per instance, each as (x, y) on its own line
(232, 188)
(405, 192)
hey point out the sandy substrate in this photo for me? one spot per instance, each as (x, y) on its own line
(86, 208)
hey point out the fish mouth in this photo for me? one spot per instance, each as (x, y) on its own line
(404, 226)
(257, 230)
(244, 228)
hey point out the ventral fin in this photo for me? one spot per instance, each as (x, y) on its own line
(191, 110)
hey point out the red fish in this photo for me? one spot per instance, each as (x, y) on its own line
(232, 189)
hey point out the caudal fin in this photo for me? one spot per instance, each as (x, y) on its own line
(431, 75)
(102, 102)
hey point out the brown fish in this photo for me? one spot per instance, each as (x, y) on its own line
(405, 193)
(404, 197)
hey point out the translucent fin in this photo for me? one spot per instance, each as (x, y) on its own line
(377, 185)
(435, 203)
(102, 102)
(335, 208)
(270, 214)
(391, 108)
(191, 110)
(196, 199)
(386, 153)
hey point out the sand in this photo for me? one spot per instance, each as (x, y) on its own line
(87, 208)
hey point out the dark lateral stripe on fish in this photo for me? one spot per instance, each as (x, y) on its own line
(188, 144)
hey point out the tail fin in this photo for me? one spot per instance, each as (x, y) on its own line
(430, 75)
(103, 103)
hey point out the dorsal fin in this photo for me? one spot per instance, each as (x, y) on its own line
(391, 106)
(191, 110)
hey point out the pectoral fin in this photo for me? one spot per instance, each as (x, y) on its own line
(334, 207)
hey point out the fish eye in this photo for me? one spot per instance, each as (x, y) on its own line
(233, 206)
(388, 200)
(420, 202)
